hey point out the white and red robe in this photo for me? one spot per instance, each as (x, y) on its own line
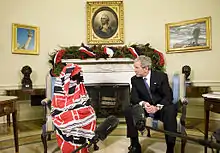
(74, 120)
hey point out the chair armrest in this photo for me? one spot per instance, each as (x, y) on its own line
(184, 101)
(46, 101)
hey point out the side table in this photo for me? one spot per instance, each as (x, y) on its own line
(193, 91)
(33, 95)
(7, 107)
(211, 103)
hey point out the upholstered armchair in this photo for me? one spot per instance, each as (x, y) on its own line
(48, 127)
(179, 89)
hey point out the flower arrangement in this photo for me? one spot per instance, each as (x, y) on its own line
(98, 51)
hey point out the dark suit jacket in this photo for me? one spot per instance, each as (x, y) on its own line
(159, 86)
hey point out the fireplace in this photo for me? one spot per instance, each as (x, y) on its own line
(108, 83)
(109, 98)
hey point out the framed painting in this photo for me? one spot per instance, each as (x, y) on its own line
(105, 22)
(25, 39)
(190, 35)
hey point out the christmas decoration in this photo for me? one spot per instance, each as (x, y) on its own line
(58, 56)
(98, 51)
(84, 50)
(109, 52)
(133, 52)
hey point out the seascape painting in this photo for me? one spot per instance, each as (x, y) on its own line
(188, 36)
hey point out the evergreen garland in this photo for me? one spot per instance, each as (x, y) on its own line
(73, 52)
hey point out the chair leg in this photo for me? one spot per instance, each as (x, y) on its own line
(8, 120)
(44, 141)
(49, 137)
(183, 141)
(44, 137)
(217, 151)
(183, 145)
(148, 133)
(96, 147)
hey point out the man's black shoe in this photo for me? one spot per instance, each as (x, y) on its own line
(134, 149)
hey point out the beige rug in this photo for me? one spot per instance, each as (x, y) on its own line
(114, 144)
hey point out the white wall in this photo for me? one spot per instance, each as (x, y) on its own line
(64, 23)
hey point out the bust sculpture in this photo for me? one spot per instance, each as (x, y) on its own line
(26, 80)
(186, 70)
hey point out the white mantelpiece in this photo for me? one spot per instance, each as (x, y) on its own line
(112, 70)
(98, 61)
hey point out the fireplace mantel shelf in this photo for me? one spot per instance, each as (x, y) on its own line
(99, 61)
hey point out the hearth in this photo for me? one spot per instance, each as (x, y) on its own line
(109, 98)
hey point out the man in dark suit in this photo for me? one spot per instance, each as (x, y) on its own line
(151, 90)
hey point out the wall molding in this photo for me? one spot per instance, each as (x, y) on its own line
(16, 86)
(196, 83)
(207, 83)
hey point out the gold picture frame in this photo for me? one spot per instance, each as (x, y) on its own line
(105, 22)
(25, 39)
(190, 35)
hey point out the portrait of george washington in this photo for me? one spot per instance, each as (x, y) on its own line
(105, 22)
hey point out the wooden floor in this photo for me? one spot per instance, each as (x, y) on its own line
(29, 131)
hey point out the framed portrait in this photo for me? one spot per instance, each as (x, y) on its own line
(25, 39)
(190, 35)
(105, 22)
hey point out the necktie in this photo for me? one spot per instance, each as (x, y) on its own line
(149, 92)
(148, 88)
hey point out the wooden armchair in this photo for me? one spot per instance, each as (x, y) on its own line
(179, 99)
(48, 127)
